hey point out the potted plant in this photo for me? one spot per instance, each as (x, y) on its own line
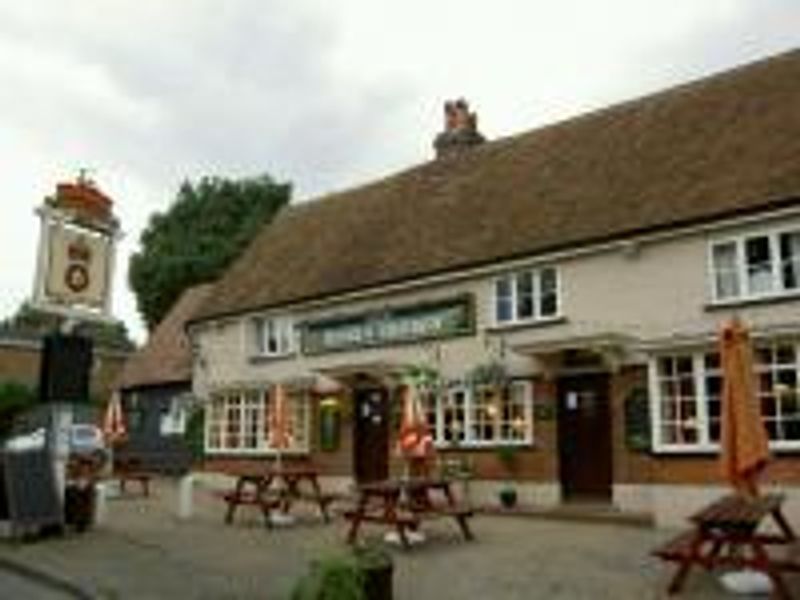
(363, 574)
(376, 567)
(507, 455)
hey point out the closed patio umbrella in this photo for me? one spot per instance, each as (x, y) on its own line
(415, 441)
(113, 427)
(280, 437)
(744, 447)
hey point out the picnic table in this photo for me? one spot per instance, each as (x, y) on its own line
(402, 503)
(726, 533)
(277, 488)
(131, 469)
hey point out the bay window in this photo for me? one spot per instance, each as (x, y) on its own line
(686, 389)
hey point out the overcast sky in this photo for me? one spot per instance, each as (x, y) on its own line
(324, 94)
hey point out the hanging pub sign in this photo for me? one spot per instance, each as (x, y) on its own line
(76, 250)
(431, 320)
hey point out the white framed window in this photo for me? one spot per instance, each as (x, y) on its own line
(173, 418)
(237, 421)
(530, 295)
(686, 390)
(476, 416)
(273, 336)
(756, 266)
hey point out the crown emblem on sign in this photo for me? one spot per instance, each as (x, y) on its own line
(79, 250)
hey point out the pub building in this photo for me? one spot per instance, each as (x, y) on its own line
(557, 294)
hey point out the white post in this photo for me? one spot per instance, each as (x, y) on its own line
(100, 504)
(185, 496)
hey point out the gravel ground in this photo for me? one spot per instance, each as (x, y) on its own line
(144, 551)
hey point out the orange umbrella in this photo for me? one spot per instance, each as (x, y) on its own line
(415, 440)
(745, 451)
(280, 436)
(114, 428)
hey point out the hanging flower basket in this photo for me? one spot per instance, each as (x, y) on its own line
(491, 374)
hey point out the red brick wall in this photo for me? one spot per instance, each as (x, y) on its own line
(20, 363)
(540, 462)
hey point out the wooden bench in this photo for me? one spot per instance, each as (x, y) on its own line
(284, 498)
(678, 548)
(143, 478)
(234, 500)
(400, 521)
(786, 557)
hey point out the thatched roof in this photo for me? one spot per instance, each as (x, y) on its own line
(166, 357)
(725, 145)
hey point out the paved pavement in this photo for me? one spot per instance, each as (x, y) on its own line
(17, 587)
(145, 551)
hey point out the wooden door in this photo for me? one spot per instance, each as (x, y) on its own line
(371, 431)
(584, 437)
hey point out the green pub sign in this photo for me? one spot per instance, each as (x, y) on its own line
(431, 320)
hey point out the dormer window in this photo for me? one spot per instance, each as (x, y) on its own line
(273, 336)
(530, 295)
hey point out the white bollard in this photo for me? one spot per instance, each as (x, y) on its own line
(100, 504)
(185, 490)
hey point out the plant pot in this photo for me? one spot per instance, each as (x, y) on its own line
(508, 497)
(377, 582)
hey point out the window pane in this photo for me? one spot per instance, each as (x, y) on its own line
(286, 331)
(525, 295)
(455, 428)
(726, 273)
(503, 305)
(712, 361)
(785, 354)
(258, 335)
(685, 365)
(790, 259)
(759, 265)
(272, 337)
(548, 284)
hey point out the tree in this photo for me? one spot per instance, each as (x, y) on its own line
(206, 227)
(30, 322)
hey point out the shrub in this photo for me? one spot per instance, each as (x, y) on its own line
(15, 397)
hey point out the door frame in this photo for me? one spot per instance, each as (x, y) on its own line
(599, 380)
(360, 459)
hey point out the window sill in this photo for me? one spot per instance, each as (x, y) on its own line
(714, 452)
(532, 324)
(484, 446)
(268, 358)
(715, 305)
(252, 453)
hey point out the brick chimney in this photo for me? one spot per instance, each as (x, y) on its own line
(460, 129)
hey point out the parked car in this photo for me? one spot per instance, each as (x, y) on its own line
(87, 440)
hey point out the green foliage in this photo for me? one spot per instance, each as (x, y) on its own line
(207, 226)
(15, 397)
(29, 322)
(342, 576)
(492, 374)
(333, 578)
(422, 376)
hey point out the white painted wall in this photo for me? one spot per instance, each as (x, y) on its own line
(654, 291)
